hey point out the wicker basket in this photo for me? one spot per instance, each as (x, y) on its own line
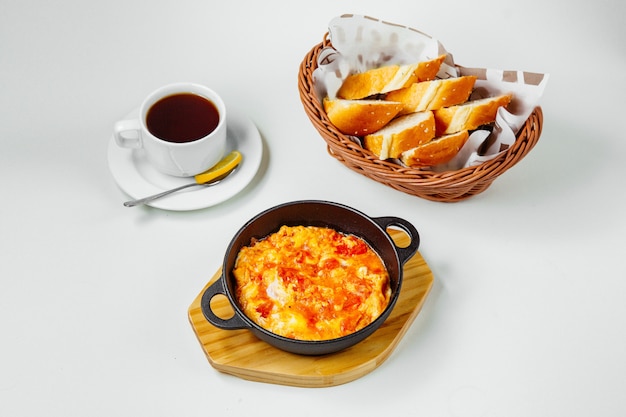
(448, 186)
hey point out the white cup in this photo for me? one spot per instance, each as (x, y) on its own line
(167, 148)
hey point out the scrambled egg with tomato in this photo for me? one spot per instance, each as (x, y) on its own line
(311, 283)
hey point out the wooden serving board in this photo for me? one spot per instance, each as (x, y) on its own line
(240, 353)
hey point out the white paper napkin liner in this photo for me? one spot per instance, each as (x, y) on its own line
(360, 43)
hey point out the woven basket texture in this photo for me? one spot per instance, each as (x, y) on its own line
(450, 186)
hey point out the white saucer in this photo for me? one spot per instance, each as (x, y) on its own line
(137, 178)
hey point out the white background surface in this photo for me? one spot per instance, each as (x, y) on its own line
(527, 315)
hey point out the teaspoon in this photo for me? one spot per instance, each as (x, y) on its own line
(208, 178)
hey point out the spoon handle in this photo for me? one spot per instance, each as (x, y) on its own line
(145, 200)
(212, 176)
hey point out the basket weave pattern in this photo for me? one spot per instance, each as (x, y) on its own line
(448, 186)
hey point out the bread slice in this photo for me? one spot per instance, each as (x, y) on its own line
(360, 117)
(433, 95)
(438, 151)
(388, 78)
(470, 115)
(427, 70)
(404, 132)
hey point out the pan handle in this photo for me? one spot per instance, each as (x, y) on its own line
(407, 252)
(232, 323)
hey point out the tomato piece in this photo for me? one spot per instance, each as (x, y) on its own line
(330, 264)
(265, 309)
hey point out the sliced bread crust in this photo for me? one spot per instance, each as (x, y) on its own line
(360, 117)
(404, 132)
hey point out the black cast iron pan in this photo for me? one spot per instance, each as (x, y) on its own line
(313, 213)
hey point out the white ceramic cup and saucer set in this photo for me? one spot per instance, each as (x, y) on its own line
(181, 130)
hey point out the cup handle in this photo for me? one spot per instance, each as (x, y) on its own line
(403, 253)
(127, 134)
